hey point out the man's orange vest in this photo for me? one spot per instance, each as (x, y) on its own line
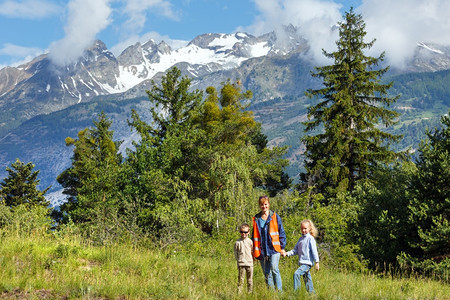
(273, 231)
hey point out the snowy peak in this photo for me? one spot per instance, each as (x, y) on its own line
(98, 49)
(239, 44)
(133, 55)
(430, 47)
(164, 49)
(205, 54)
(430, 57)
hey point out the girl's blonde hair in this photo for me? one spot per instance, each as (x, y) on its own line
(312, 228)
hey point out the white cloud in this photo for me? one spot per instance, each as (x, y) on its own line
(86, 18)
(19, 54)
(399, 25)
(137, 12)
(18, 51)
(28, 9)
(314, 18)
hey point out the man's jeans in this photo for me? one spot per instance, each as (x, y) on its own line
(271, 271)
(303, 271)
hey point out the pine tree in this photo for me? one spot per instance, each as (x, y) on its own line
(20, 187)
(172, 107)
(430, 204)
(160, 163)
(172, 103)
(91, 179)
(353, 106)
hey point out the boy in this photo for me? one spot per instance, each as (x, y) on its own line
(244, 257)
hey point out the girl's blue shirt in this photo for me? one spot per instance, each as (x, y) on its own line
(306, 249)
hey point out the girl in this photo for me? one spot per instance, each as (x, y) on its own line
(306, 250)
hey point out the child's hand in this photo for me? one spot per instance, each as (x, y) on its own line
(283, 253)
(317, 266)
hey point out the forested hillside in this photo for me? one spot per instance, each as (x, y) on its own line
(424, 98)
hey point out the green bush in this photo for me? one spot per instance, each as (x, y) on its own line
(25, 220)
(335, 222)
(436, 269)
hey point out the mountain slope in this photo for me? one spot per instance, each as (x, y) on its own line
(41, 87)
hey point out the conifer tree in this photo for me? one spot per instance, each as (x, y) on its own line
(430, 202)
(159, 164)
(172, 102)
(353, 105)
(20, 187)
(90, 180)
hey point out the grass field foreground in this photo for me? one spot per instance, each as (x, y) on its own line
(57, 268)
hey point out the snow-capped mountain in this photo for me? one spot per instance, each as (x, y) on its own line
(41, 87)
(206, 53)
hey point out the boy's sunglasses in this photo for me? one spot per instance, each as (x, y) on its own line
(244, 231)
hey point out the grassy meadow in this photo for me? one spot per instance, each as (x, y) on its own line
(63, 267)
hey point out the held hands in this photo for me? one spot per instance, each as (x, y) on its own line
(284, 254)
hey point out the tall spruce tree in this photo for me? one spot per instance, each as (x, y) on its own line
(91, 179)
(353, 104)
(20, 187)
(159, 165)
(172, 103)
(430, 202)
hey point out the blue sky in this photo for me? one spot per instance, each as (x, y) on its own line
(66, 27)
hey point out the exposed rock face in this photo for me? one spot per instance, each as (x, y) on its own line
(40, 87)
(9, 77)
(430, 58)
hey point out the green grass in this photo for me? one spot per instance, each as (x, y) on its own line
(55, 268)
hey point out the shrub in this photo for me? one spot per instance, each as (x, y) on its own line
(24, 220)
